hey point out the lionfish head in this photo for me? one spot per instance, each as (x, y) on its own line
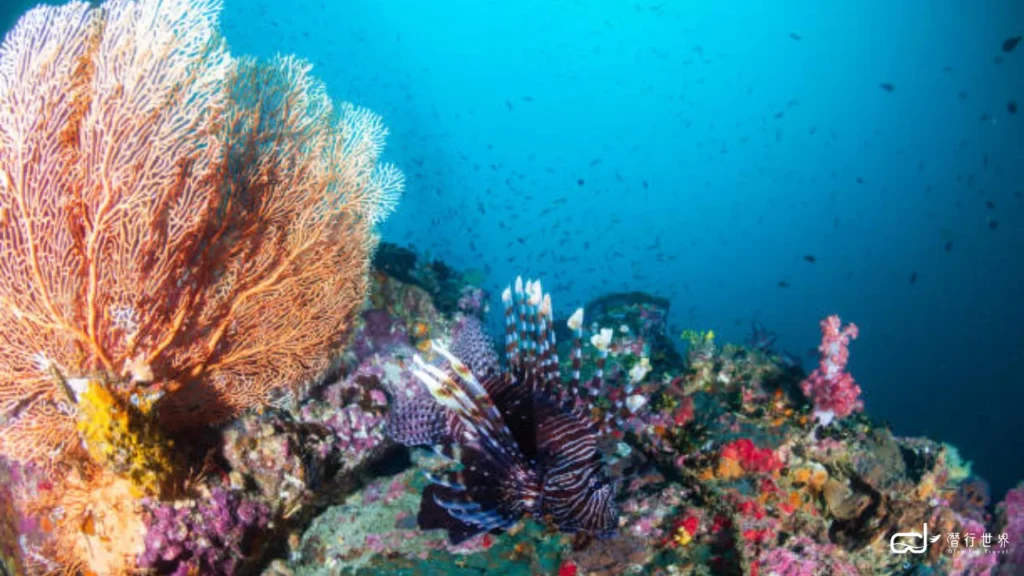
(601, 515)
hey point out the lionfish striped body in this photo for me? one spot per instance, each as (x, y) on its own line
(523, 437)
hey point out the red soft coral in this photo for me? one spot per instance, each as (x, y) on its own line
(750, 457)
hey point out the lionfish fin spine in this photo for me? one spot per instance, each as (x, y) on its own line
(552, 374)
(575, 323)
(511, 345)
(445, 481)
(601, 341)
(470, 402)
(448, 452)
(520, 304)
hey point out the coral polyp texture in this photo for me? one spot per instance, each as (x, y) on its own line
(165, 210)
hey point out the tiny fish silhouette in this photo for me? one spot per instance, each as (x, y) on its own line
(795, 36)
(810, 258)
(1010, 43)
(783, 284)
(1011, 107)
(913, 277)
(887, 86)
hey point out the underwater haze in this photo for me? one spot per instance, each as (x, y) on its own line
(750, 161)
(323, 287)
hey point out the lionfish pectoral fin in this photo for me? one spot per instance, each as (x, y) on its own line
(417, 421)
(434, 516)
(446, 509)
(468, 399)
(479, 497)
(450, 481)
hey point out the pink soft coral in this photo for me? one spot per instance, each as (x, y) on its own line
(805, 557)
(830, 387)
(1011, 514)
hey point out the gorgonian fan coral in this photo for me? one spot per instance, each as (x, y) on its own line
(183, 235)
(165, 209)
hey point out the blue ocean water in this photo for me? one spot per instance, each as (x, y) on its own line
(701, 151)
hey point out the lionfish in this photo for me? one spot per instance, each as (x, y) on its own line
(523, 437)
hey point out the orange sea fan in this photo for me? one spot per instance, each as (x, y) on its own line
(172, 219)
(94, 523)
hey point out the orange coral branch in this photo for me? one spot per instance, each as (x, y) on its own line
(169, 212)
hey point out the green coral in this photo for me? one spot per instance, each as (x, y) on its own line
(958, 468)
(375, 532)
(698, 338)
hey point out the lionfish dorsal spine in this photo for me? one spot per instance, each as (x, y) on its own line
(511, 333)
(602, 341)
(575, 324)
(546, 337)
(530, 342)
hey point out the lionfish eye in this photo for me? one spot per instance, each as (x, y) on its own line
(599, 485)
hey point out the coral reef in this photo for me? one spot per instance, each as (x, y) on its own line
(199, 369)
(723, 470)
(210, 536)
(1011, 524)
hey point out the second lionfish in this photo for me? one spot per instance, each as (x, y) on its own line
(522, 436)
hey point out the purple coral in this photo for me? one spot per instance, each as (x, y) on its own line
(1011, 514)
(202, 537)
(356, 406)
(379, 332)
(803, 556)
(472, 300)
